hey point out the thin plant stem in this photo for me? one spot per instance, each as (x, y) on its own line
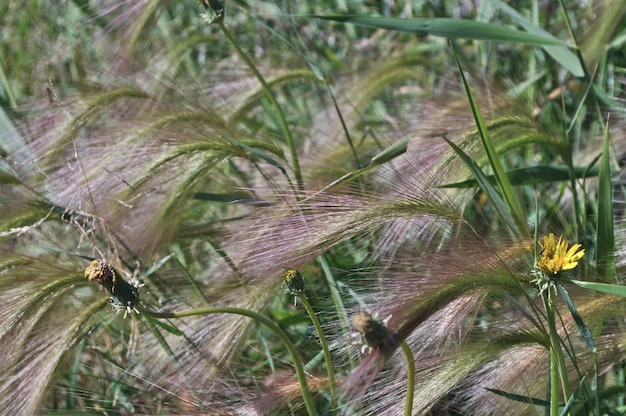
(272, 98)
(334, 293)
(554, 383)
(410, 387)
(557, 360)
(327, 357)
(304, 388)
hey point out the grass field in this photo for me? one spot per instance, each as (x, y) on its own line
(335, 207)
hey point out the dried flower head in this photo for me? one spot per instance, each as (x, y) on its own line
(555, 255)
(373, 331)
(124, 295)
(294, 281)
(215, 8)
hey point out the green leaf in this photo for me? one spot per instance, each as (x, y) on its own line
(561, 54)
(168, 327)
(448, 28)
(609, 289)
(605, 238)
(584, 331)
(484, 184)
(224, 198)
(11, 141)
(572, 398)
(386, 155)
(519, 398)
(533, 175)
(494, 160)
(259, 154)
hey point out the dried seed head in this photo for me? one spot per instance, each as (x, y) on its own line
(102, 272)
(373, 331)
(124, 295)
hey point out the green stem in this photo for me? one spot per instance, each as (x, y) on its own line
(558, 366)
(325, 349)
(554, 383)
(336, 297)
(410, 361)
(306, 394)
(272, 98)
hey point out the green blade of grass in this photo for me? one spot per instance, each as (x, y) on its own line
(166, 326)
(605, 238)
(485, 185)
(520, 398)
(259, 154)
(386, 155)
(533, 175)
(561, 54)
(498, 170)
(609, 289)
(584, 331)
(570, 402)
(448, 28)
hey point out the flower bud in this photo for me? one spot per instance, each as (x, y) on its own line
(293, 280)
(373, 331)
(124, 295)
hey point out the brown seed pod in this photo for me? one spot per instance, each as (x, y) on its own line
(373, 331)
(123, 294)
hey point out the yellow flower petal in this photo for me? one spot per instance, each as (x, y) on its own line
(555, 255)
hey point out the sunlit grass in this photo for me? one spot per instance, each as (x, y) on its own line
(410, 171)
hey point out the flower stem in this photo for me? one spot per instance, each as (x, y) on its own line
(557, 360)
(410, 361)
(304, 388)
(325, 349)
(554, 383)
(272, 98)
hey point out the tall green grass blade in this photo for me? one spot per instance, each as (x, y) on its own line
(11, 141)
(223, 198)
(156, 266)
(561, 54)
(166, 326)
(609, 289)
(259, 154)
(520, 398)
(605, 238)
(72, 387)
(275, 105)
(494, 160)
(448, 28)
(584, 331)
(533, 175)
(152, 326)
(572, 398)
(485, 185)
(386, 155)
(7, 85)
(581, 106)
(609, 21)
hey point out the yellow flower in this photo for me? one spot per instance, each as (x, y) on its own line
(555, 255)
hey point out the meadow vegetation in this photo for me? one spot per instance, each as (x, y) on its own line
(296, 208)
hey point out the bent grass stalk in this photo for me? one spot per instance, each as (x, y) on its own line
(304, 388)
(327, 356)
(410, 387)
